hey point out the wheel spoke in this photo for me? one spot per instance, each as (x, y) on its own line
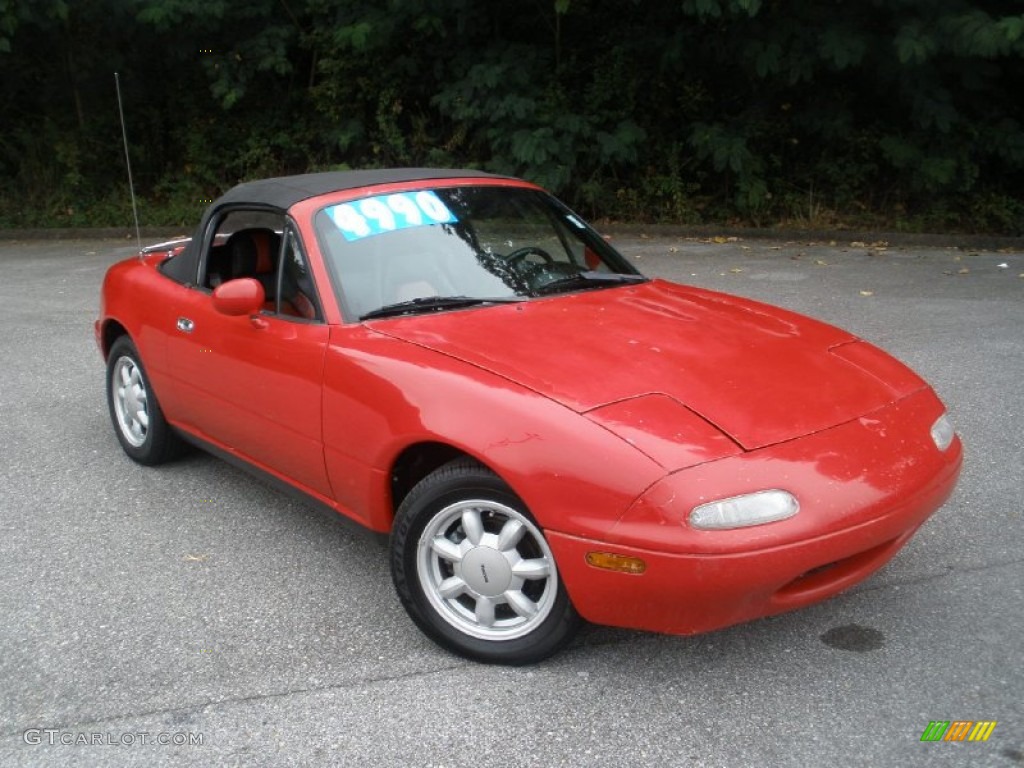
(472, 526)
(451, 587)
(537, 568)
(142, 417)
(520, 603)
(446, 549)
(511, 534)
(485, 611)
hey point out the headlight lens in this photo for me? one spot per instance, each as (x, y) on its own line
(743, 511)
(943, 432)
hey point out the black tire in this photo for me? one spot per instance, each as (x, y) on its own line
(138, 421)
(520, 612)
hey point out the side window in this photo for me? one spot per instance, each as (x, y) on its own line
(245, 244)
(263, 245)
(297, 294)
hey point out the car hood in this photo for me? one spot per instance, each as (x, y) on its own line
(759, 374)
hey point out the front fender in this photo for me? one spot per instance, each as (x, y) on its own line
(382, 395)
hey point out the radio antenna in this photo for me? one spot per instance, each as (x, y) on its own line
(128, 161)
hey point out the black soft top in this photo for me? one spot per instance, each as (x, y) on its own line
(283, 192)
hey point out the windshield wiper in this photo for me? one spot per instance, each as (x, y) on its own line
(590, 278)
(433, 304)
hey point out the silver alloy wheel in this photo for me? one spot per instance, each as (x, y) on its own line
(131, 404)
(487, 570)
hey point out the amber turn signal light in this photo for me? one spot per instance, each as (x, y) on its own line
(609, 561)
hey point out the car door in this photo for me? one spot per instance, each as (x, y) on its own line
(252, 385)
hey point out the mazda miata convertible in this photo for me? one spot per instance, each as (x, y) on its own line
(457, 361)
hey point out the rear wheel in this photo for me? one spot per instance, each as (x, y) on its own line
(474, 571)
(138, 421)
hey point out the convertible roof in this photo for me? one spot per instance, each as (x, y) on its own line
(286, 191)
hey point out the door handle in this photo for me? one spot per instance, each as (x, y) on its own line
(185, 325)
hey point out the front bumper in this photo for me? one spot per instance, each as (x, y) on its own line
(865, 487)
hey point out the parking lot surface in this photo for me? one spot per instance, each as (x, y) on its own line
(190, 603)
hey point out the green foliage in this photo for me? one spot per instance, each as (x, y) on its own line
(717, 8)
(689, 111)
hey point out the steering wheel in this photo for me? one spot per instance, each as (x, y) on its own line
(521, 254)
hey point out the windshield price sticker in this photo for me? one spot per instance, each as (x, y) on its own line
(388, 213)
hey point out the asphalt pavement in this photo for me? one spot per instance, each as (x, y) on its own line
(190, 603)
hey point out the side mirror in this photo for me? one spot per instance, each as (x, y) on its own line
(244, 296)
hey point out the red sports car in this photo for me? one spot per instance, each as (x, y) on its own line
(458, 361)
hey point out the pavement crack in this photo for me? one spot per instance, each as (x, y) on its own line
(228, 700)
(947, 571)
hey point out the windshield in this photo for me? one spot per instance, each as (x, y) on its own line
(449, 248)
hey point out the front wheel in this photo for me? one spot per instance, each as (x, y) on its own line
(474, 571)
